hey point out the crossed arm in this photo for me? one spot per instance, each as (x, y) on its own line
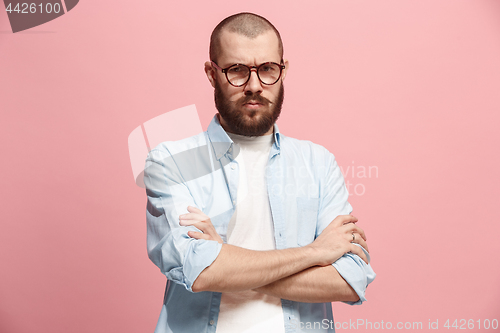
(302, 274)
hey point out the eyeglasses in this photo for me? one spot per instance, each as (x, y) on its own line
(238, 74)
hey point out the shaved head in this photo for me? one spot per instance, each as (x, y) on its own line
(246, 24)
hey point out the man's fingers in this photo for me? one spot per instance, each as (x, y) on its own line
(208, 232)
(202, 226)
(193, 209)
(344, 219)
(356, 250)
(185, 223)
(350, 228)
(191, 218)
(361, 232)
(356, 238)
(359, 240)
(198, 235)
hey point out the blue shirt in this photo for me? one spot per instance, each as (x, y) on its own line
(306, 192)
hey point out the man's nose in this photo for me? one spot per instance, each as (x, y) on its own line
(253, 85)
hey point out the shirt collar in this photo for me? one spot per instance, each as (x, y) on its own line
(221, 142)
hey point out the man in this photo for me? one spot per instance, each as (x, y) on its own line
(251, 228)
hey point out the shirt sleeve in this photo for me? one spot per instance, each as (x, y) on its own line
(333, 202)
(180, 257)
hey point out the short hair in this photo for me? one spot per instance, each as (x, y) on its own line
(247, 24)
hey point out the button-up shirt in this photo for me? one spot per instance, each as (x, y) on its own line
(306, 192)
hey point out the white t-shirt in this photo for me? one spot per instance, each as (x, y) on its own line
(251, 227)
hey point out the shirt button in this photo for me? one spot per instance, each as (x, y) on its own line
(211, 322)
(233, 166)
(230, 149)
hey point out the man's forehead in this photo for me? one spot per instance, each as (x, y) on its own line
(235, 47)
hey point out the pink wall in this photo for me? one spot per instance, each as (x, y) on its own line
(409, 88)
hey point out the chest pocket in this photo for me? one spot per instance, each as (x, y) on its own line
(307, 218)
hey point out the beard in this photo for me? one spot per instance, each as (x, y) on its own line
(252, 123)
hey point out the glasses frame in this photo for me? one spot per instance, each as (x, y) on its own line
(224, 70)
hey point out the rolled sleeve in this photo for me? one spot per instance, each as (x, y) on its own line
(356, 273)
(200, 255)
(180, 257)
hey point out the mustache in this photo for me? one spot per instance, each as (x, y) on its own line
(254, 98)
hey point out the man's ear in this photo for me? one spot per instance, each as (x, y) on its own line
(210, 71)
(283, 73)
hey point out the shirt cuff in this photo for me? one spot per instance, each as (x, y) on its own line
(356, 272)
(200, 255)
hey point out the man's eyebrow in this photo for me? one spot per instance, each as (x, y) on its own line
(250, 65)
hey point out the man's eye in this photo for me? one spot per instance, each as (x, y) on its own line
(236, 69)
(268, 68)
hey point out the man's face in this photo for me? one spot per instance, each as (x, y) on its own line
(253, 108)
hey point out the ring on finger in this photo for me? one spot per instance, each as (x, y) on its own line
(353, 238)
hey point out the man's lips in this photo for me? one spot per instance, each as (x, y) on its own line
(253, 105)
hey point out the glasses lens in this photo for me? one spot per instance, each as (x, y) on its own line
(237, 74)
(269, 73)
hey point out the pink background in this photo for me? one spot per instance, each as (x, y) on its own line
(407, 87)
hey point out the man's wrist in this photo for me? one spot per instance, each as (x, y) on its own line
(314, 255)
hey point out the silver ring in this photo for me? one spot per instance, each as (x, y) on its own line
(353, 237)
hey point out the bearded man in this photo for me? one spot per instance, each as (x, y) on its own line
(252, 228)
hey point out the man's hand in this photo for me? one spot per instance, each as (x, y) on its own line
(200, 220)
(337, 238)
